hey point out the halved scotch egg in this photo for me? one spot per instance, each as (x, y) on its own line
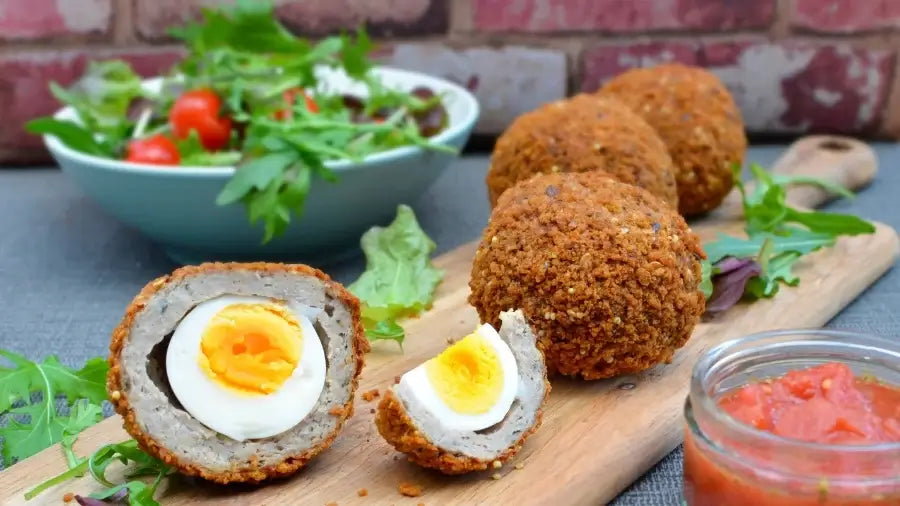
(473, 404)
(237, 372)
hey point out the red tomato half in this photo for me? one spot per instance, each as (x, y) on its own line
(199, 110)
(156, 150)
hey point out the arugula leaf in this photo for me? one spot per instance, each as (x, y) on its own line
(257, 174)
(778, 268)
(800, 240)
(789, 180)
(84, 414)
(69, 133)
(774, 240)
(830, 223)
(399, 279)
(139, 493)
(44, 427)
(101, 97)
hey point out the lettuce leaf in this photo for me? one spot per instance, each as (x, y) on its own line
(399, 280)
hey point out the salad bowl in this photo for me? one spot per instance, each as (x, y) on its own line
(176, 206)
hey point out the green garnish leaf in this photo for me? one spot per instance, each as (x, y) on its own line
(706, 273)
(101, 98)
(399, 280)
(778, 235)
(69, 133)
(386, 330)
(41, 427)
(789, 180)
(84, 414)
(139, 492)
(257, 174)
(800, 240)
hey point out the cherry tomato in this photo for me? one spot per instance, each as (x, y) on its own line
(199, 110)
(156, 150)
(290, 96)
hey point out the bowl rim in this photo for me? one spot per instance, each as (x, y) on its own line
(470, 106)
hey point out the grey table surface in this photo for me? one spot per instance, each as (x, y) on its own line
(67, 270)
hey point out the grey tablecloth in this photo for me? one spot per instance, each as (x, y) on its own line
(67, 270)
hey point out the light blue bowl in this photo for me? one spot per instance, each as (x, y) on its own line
(176, 206)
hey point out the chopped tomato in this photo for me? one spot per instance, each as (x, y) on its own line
(823, 404)
(156, 150)
(199, 110)
(290, 97)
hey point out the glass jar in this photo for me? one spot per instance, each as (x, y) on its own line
(729, 463)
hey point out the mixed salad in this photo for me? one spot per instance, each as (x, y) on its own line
(248, 94)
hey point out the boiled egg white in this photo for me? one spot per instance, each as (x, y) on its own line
(469, 386)
(247, 367)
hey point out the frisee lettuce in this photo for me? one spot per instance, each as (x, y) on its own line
(399, 280)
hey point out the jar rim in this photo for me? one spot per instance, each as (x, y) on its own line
(699, 396)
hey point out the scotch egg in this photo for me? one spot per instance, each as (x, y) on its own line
(237, 372)
(473, 404)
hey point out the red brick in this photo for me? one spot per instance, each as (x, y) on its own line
(310, 17)
(604, 62)
(44, 19)
(23, 85)
(781, 88)
(384, 18)
(845, 16)
(621, 15)
(507, 81)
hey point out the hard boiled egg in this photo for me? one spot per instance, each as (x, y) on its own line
(246, 367)
(471, 385)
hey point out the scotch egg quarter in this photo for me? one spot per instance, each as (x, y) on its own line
(473, 404)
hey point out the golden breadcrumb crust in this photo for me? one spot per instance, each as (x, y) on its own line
(606, 274)
(583, 133)
(252, 473)
(396, 427)
(697, 119)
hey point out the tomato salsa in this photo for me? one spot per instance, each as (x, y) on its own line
(826, 404)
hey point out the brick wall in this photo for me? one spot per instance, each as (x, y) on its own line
(793, 65)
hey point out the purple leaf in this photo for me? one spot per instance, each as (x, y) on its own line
(90, 501)
(729, 264)
(120, 497)
(728, 286)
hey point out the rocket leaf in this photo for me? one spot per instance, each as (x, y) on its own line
(33, 427)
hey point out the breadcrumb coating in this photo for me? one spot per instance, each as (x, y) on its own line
(697, 119)
(606, 274)
(398, 429)
(253, 473)
(583, 133)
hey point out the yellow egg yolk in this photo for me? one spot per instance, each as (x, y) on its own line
(251, 347)
(467, 376)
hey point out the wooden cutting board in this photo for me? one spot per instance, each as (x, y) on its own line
(597, 437)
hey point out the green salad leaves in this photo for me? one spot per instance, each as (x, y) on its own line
(778, 235)
(399, 280)
(34, 426)
(253, 95)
